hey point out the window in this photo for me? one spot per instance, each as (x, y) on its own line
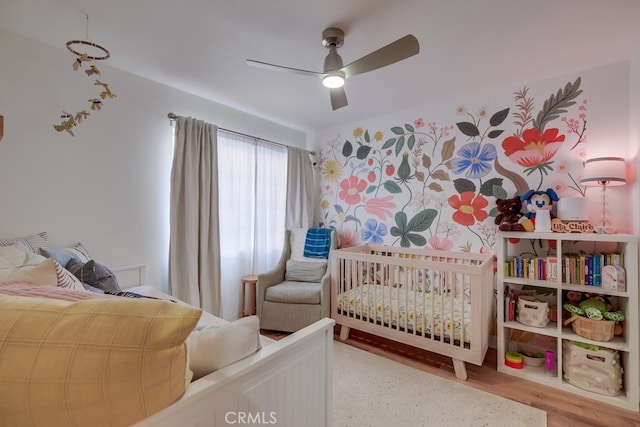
(252, 182)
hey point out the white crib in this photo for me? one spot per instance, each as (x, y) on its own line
(434, 300)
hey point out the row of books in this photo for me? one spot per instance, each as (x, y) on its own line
(579, 269)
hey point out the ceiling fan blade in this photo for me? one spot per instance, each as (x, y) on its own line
(282, 68)
(338, 98)
(398, 50)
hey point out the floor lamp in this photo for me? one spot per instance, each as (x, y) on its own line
(605, 172)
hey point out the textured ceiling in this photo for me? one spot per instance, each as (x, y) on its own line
(200, 46)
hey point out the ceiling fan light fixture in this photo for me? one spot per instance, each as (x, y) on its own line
(333, 80)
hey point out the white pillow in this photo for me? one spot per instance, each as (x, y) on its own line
(215, 347)
(10, 256)
(41, 274)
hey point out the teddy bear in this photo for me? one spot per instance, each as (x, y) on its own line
(537, 200)
(509, 216)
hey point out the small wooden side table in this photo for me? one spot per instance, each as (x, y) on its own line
(250, 280)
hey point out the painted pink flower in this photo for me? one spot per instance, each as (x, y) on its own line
(469, 208)
(534, 149)
(346, 239)
(380, 207)
(418, 123)
(438, 244)
(350, 189)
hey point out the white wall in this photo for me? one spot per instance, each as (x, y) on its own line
(109, 185)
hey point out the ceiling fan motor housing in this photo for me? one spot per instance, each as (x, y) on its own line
(332, 37)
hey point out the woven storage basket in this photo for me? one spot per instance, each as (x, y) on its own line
(597, 330)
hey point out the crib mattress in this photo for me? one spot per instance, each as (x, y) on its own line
(415, 311)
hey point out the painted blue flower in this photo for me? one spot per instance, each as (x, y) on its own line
(475, 159)
(374, 233)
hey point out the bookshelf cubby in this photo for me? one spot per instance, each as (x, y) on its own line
(552, 264)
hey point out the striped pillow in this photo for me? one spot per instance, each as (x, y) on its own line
(34, 243)
(66, 279)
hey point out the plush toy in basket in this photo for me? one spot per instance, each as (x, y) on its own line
(592, 319)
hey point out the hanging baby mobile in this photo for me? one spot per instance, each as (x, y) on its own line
(85, 52)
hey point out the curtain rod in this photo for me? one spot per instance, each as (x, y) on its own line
(173, 117)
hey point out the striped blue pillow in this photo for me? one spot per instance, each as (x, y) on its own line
(317, 243)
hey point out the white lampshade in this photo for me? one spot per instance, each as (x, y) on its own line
(604, 171)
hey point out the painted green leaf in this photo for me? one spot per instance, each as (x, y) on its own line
(401, 225)
(422, 220)
(495, 133)
(468, 128)
(441, 175)
(363, 152)
(392, 187)
(399, 145)
(371, 189)
(411, 142)
(487, 187)
(448, 148)
(347, 149)
(417, 239)
(498, 118)
(463, 184)
(395, 231)
(499, 192)
(338, 209)
(388, 143)
(397, 130)
(404, 241)
(557, 104)
(409, 128)
(494, 212)
(401, 220)
(366, 136)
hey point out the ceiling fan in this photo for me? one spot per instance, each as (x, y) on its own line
(334, 73)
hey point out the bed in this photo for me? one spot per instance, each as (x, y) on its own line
(286, 382)
(435, 300)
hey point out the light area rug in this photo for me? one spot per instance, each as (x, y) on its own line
(370, 390)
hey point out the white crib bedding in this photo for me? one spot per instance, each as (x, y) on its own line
(414, 311)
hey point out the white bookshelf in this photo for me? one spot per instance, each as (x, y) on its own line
(627, 344)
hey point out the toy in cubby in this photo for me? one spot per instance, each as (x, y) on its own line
(592, 316)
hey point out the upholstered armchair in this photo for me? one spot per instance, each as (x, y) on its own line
(297, 292)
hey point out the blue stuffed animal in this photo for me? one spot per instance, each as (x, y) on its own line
(536, 200)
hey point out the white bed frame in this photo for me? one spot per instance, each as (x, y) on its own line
(287, 383)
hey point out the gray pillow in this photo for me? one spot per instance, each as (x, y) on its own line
(94, 274)
(305, 271)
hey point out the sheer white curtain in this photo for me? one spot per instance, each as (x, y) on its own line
(194, 262)
(252, 201)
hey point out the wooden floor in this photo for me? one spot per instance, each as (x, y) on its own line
(563, 409)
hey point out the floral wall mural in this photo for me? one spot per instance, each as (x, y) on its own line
(426, 184)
